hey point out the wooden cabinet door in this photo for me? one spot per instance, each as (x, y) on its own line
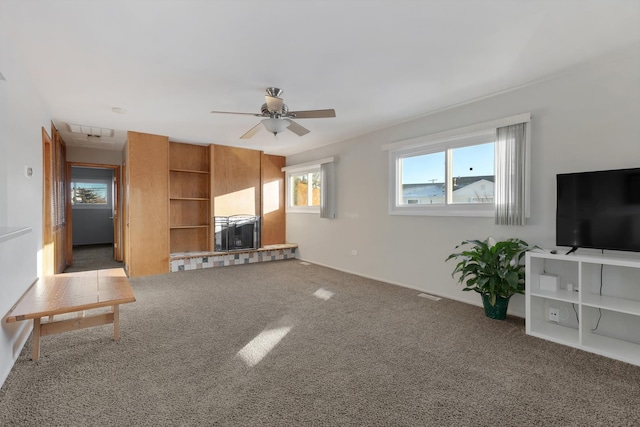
(148, 204)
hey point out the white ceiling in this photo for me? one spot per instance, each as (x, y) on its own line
(169, 63)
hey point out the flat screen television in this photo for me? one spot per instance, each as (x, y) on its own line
(599, 210)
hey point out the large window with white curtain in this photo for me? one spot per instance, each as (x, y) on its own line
(463, 172)
(456, 177)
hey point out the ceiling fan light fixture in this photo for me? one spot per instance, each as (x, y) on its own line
(275, 126)
(278, 117)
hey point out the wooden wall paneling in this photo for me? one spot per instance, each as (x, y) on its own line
(273, 200)
(236, 181)
(211, 154)
(148, 199)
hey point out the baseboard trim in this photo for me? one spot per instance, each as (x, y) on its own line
(403, 285)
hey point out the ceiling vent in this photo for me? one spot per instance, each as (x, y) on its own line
(90, 130)
(87, 139)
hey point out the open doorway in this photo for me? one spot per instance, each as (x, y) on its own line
(93, 212)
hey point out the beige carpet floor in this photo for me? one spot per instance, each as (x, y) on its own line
(286, 344)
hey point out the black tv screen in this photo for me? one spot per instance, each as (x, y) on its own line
(599, 210)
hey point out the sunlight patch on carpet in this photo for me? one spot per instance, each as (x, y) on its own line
(323, 294)
(260, 346)
(431, 297)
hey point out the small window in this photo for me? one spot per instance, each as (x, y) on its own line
(304, 190)
(310, 188)
(89, 193)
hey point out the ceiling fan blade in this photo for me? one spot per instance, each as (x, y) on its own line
(296, 128)
(312, 114)
(252, 131)
(274, 104)
(231, 112)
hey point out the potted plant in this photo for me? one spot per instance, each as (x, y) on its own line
(493, 269)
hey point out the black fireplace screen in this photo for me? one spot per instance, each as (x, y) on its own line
(237, 232)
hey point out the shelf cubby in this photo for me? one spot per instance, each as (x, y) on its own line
(189, 239)
(607, 303)
(189, 198)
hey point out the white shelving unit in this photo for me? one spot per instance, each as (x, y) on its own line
(601, 315)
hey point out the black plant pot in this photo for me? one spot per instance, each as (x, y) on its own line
(497, 311)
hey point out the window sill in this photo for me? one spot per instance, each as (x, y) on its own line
(303, 210)
(462, 210)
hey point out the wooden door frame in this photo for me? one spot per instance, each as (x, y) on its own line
(48, 259)
(124, 218)
(117, 209)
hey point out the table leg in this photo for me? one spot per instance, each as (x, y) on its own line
(116, 322)
(35, 339)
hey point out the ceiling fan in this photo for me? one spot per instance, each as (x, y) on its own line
(278, 117)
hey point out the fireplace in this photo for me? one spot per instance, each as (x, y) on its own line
(236, 233)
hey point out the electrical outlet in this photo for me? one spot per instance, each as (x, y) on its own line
(354, 252)
(554, 315)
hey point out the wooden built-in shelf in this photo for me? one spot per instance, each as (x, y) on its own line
(188, 171)
(189, 198)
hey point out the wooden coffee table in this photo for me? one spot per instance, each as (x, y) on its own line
(73, 293)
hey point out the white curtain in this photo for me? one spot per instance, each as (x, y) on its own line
(327, 190)
(510, 174)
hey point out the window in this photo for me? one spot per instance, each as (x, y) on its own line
(477, 170)
(305, 189)
(452, 178)
(309, 188)
(90, 193)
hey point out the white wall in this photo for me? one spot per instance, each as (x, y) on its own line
(3, 152)
(94, 155)
(22, 116)
(584, 119)
(18, 267)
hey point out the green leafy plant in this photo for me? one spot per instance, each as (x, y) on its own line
(491, 268)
